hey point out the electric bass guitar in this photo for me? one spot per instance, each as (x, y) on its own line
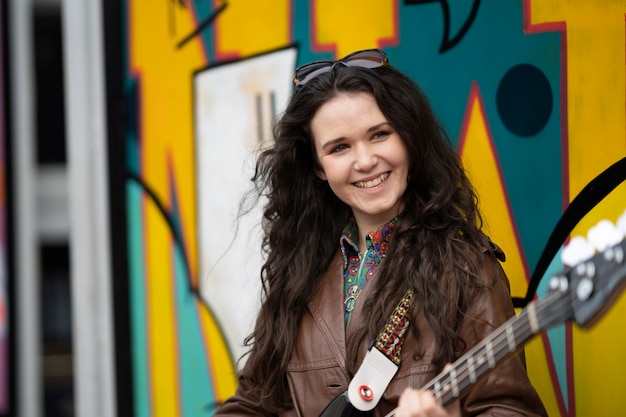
(581, 293)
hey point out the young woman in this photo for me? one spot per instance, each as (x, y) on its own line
(367, 203)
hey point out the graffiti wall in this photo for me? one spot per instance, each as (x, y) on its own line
(532, 94)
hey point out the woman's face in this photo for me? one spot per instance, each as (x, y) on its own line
(362, 157)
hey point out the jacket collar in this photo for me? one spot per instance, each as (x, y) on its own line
(326, 307)
(327, 310)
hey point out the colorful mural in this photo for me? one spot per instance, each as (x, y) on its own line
(532, 93)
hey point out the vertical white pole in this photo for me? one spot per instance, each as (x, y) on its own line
(90, 268)
(28, 326)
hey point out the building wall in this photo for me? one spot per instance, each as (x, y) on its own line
(532, 94)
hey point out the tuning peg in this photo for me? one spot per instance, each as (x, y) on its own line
(621, 223)
(578, 250)
(603, 235)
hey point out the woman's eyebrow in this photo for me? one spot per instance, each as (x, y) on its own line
(333, 142)
(378, 126)
(340, 139)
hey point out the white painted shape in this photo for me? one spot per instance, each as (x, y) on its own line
(226, 137)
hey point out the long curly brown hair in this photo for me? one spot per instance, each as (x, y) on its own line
(438, 231)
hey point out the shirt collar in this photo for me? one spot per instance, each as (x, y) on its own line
(377, 240)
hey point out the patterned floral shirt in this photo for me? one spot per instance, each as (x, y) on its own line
(358, 268)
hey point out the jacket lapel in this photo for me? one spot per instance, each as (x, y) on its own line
(327, 310)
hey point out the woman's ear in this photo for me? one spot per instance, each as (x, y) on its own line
(320, 173)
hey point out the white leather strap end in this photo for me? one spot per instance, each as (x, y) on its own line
(371, 380)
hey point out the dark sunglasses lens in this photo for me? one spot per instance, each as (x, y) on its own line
(371, 58)
(312, 70)
(365, 59)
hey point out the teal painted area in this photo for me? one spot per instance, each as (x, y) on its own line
(132, 155)
(196, 376)
(139, 372)
(197, 393)
(195, 373)
(556, 335)
(204, 10)
(139, 320)
(531, 165)
(494, 44)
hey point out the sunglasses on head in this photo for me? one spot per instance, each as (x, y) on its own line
(369, 58)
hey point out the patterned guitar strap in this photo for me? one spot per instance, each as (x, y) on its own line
(382, 360)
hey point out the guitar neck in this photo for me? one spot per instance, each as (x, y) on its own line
(499, 345)
(581, 294)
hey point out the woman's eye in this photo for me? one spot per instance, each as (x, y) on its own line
(381, 134)
(338, 148)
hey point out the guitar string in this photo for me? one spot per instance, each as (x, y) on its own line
(463, 368)
(482, 357)
(523, 330)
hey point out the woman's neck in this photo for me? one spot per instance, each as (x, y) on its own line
(364, 229)
(368, 223)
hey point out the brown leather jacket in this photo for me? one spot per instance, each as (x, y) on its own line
(318, 370)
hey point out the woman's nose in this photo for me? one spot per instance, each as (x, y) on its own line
(365, 158)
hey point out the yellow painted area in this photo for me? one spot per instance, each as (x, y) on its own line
(599, 366)
(160, 304)
(482, 165)
(165, 78)
(596, 123)
(354, 24)
(596, 88)
(225, 381)
(164, 74)
(539, 374)
(247, 27)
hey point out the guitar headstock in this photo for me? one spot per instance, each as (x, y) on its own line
(598, 271)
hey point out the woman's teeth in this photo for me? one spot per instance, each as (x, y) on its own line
(372, 183)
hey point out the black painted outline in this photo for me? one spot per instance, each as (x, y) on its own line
(593, 193)
(446, 42)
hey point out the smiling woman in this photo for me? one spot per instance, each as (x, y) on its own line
(371, 223)
(362, 158)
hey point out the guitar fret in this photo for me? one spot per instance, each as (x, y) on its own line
(437, 389)
(532, 318)
(481, 360)
(472, 369)
(556, 308)
(454, 382)
(485, 356)
(490, 357)
(510, 338)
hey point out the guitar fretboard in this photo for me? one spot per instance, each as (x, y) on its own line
(581, 293)
(503, 342)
